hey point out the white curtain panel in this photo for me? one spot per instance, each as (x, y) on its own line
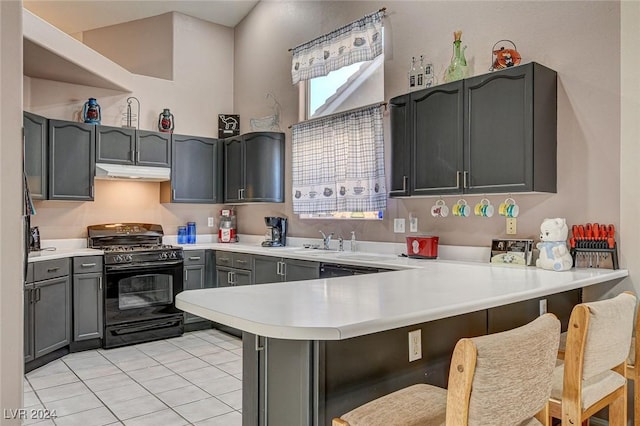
(356, 42)
(338, 163)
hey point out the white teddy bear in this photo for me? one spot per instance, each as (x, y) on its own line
(553, 246)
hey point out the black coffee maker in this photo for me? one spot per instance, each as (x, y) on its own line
(276, 235)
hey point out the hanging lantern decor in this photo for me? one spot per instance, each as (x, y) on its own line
(91, 112)
(166, 121)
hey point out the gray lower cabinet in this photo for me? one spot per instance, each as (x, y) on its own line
(197, 275)
(119, 145)
(88, 298)
(254, 168)
(47, 308)
(35, 154)
(72, 162)
(267, 269)
(196, 171)
(492, 133)
(227, 277)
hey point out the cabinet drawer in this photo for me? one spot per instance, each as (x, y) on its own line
(50, 269)
(242, 261)
(224, 258)
(87, 264)
(29, 273)
(193, 257)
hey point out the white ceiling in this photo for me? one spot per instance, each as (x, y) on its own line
(73, 16)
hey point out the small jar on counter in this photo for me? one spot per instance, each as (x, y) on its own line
(191, 232)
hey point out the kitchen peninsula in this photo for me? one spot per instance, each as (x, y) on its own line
(315, 349)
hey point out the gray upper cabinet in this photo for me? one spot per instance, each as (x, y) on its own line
(35, 154)
(487, 134)
(72, 160)
(196, 171)
(254, 168)
(153, 148)
(510, 130)
(115, 145)
(119, 145)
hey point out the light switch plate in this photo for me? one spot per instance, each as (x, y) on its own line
(511, 226)
(415, 345)
(398, 225)
(413, 224)
(210, 222)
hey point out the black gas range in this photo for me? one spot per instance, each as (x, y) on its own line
(143, 276)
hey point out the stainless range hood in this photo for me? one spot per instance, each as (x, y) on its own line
(126, 172)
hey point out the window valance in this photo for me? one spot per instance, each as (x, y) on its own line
(358, 41)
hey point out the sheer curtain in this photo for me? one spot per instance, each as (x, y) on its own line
(358, 41)
(338, 163)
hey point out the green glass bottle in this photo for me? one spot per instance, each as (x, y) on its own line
(457, 69)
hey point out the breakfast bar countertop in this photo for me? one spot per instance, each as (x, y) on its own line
(345, 307)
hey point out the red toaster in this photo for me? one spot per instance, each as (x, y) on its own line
(422, 247)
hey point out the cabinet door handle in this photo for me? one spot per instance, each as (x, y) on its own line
(465, 178)
(194, 257)
(100, 284)
(258, 347)
(92, 191)
(53, 269)
(38, 294)
(239, 194)
(31, 296)
(241, 261)
(174, 194)
(185, 274)
(283, 270)
(138, 157)
(87, 265)
(405, 179)
(278, 268)
(224, 259)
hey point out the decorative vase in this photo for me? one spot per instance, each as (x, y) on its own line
(457, 69)
(91, 112)
(166, 121)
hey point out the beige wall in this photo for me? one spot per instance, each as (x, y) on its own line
(588, 96)
(201, 89)
(125, 44)
(11, 245)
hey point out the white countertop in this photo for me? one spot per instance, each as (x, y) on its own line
(340, 308)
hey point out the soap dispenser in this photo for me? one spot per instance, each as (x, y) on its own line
(353, 240)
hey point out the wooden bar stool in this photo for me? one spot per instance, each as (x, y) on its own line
(502, 379)
(593, 374)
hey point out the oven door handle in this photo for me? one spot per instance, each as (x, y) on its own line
(136, 329)
(143, 265)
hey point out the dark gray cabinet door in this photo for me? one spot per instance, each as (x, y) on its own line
(510, 130)
(196, 172)
(29, 352)
(153, 149)
(254, 168)
(72, 162)
(87, 306)
(264, 167)
(436, 155)
(266, 269)
(115, 145)
(52, 315)
(298, 270)
(35, 154)
(194, 277)
(399, 111)
(233, 169)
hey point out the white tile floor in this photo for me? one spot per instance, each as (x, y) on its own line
(195, 379)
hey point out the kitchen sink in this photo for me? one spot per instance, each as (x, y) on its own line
(316, 252)
(363, 256)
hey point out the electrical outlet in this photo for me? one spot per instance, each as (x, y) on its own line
(543, 306)
(415, 345)
(210, 223)
(413, 224)
(398, 225)
(511, 226)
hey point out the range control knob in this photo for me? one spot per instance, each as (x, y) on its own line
(128, 258)
(118, 258)
(163, 255)
(173, 255)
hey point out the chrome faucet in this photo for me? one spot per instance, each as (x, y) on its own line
(326, 239)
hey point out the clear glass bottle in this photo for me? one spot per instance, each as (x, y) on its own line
(420, 80)
(412, 74)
